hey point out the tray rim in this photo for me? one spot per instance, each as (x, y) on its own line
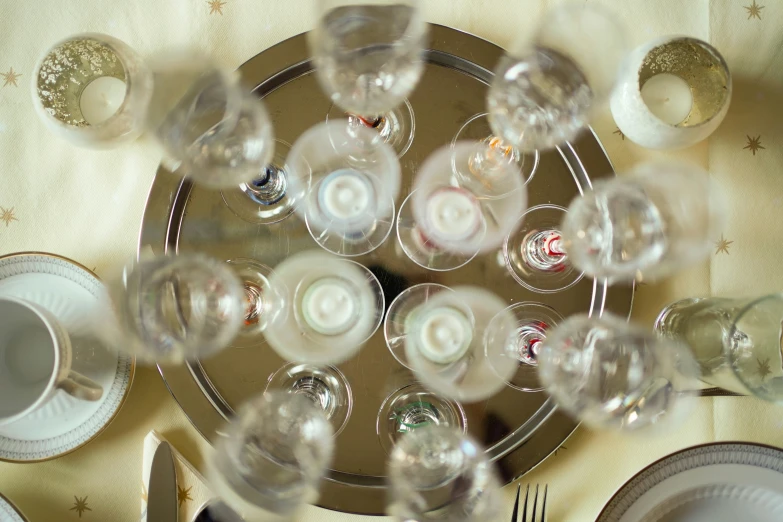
(271, 69)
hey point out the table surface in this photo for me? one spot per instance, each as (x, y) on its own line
(88, 205)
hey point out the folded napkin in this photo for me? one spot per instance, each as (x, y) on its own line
(192, 488)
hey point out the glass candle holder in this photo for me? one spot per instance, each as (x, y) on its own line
(673, 92)
(92, 90)
(334, 307)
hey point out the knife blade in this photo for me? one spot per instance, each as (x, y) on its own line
(162, 503)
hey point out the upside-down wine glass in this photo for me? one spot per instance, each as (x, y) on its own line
(447, 346)
(616, 376)
(368, 57)
(169, 309)
(546, 88)
(646, 225)
(440, 473)
(334, 306)
(459, 208)
(270, 458)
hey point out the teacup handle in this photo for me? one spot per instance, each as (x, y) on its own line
(80, 387)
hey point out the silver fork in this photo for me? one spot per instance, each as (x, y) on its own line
(515, 512)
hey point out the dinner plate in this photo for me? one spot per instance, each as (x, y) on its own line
(9, 512)
(70, 292)
(719, 482)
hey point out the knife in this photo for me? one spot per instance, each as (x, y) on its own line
(162, 493)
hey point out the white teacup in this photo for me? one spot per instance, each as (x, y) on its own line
(35, 361)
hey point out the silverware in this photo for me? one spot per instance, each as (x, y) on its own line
(162, 503)
(216, 511)
(515, 512)
(718, 392)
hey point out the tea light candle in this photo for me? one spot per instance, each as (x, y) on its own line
(673, 92)
(445, 335)
(668, 97)
(101, 99)
(345, 195)
(329, 306)
(453, 214)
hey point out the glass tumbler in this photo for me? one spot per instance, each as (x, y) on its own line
(616, 376)
(270, 458)
(737, 342)
(440, 473)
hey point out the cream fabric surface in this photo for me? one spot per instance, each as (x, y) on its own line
(88, 206)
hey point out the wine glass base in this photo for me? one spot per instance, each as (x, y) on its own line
(263, 302)
(476, 128)
(401, 311)
(533, 320)
(396, 126)
(263, 200)
(420, 249)
(412, 407)
(535, 275)
(326, 386)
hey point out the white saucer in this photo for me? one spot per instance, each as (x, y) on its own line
(71, 293)
(8, 512)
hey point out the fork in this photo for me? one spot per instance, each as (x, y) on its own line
(515, 512)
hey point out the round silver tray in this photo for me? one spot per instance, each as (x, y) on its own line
(519, 429)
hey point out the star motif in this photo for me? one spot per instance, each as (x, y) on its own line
(216, 6)
(618, 131)
(762, 370)
(722, 245)
(7, 215)
(10, 77)
(754, 144)
(754, 10)
(144, 495)
(558, 449)
(183, 495)
(80, 506)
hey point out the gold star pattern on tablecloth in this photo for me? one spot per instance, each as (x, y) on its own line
(558, 449)
(754, 10)
(80, 506)
(754, 144)
(618, 131)
(7, 215)
(10, 77)
(722, 245)
(762, 370)
(216, 6)
(183, 495)
(144, 496)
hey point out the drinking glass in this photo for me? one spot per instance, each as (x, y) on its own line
(613, 375)
(459, 208)
(440, 473)
(325, 386)
(348, 181)
(169, 309)
(646, 225)
(270, 458)
(264, 302)
(534, 252)
(737, 342)
(334, 307)
(368, 57)
(521, 346)
(210, 128)
(447, 346)
(549, 84)
(413, 407)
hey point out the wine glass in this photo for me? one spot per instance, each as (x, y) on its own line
(440, 473)
(368, 57)
(348, 180)
(325, 386)
(334, 307)
(522, 345)
(413, 407)
(647, 225)
(534, 252)
(550, 83)
(210, 128)
(264, 302)
(270, 458)
(168, 309)
(458, 208)
(613, 375)
(447, 347)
